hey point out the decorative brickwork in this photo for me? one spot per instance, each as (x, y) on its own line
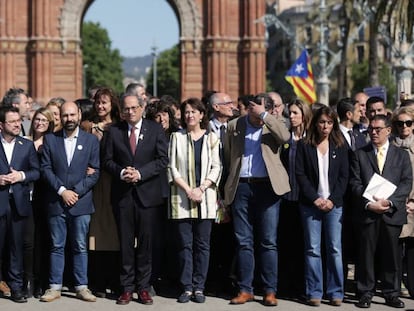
(222, 48)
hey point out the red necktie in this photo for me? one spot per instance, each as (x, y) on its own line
(133, 140)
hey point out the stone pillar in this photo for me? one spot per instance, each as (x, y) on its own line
(221, 47)
(253, 49)
(13, 43)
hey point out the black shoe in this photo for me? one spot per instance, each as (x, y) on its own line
(17, 296)
(28, 289)
(394, 302)
(364, 302)
(199, 297)
(185, 297)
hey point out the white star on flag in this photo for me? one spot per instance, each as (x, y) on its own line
(299, 68)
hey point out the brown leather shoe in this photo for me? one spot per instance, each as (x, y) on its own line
(124, 299)
(242, 298)
(144, 297)
(270, 300)
(314, 302)
(336, 302)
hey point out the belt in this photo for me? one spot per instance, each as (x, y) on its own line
(253, 180)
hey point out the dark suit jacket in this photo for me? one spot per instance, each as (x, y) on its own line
(151, 158)
(57, 173)
(307, 172)
(397, 169)
(24, 158)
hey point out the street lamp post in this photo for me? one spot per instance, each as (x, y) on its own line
(323, 80)
(154, 70)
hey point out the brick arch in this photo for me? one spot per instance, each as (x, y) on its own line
(222, 48)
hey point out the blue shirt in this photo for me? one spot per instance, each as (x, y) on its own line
(253, 164)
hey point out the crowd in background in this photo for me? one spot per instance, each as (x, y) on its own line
(116, 195)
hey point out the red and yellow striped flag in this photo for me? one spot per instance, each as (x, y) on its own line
(300, 76)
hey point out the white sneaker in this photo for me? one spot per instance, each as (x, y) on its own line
(50, 295)
(86, 295)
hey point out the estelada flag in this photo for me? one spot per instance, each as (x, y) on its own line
(300, 76)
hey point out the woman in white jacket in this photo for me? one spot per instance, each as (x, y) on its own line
(194, 172)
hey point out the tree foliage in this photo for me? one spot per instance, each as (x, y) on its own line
(360, 78)
(102, 64)
(168, 74)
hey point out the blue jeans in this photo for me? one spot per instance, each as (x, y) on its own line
(76, 229)
(194, 252)
(313, 221)
(255, 218)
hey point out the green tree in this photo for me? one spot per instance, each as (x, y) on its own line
(360, 78)
(102, 64)
(168, 74)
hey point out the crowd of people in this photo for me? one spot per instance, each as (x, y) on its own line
(111, 194)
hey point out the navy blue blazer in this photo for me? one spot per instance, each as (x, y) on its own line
(307, 173)
(150, 159)
(57, 173)
(24, 158)
(397, 169)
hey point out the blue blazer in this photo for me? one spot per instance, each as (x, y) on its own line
(24, 158)
(57, 173)
(307, 172)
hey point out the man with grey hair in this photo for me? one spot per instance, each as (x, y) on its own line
(137, 89)
(278, 106)
(18, 98)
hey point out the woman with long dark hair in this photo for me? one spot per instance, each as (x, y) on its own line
(322, 174)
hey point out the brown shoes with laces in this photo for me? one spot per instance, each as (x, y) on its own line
(242, 298)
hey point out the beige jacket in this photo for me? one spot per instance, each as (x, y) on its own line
(274, 134)
(181, 154)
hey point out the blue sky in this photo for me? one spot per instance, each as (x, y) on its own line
(134, 26)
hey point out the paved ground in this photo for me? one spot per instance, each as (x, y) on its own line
(164, 303)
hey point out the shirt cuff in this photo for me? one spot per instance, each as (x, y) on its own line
(61, 189)
(23, 175)
(263, 115)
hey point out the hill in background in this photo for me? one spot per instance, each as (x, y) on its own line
(136, 68)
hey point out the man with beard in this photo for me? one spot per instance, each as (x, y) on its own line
(18, 167)
(70, 165)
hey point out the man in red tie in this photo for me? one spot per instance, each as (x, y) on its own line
(135, 152)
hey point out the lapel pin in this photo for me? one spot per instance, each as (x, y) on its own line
(141, 136)
(20, 142)
(80, 147)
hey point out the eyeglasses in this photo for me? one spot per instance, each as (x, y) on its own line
(375, 129)
(39, 120)
(407, 123)
(130, 109)
(18, 121)
(225, 103)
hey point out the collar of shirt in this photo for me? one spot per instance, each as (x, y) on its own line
(216, 124)
(383, 147)
(3, 141)
(345, 132)
(65, 136)
(137, 126)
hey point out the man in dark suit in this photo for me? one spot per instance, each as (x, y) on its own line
(256, 180)
(380, 221)
(135, 152)
(70, 166)
(19, 166)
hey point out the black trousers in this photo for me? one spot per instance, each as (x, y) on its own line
(136, 223)
(12, 227)
(382, 239)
